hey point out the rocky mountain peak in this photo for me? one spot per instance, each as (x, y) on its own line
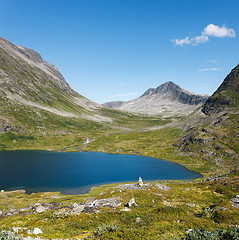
(226, 96)
(172, 91)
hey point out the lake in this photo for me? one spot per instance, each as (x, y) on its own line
(77, 172)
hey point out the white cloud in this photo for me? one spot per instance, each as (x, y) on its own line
(210, 30)
(209, 69)
(199, 39)
(124, 95)
(181, 42)
(216, 31)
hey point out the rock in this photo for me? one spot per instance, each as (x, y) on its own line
(61, 214)
(77, 210)
(222, 208)
(134, 186)
(2, 191)
(107, 202)
(94, 205)
(37, 231)
(125, 209)
(29, 231)
(187, 189)
(75, 205)
(162, 187)
(189, 230)
(41, 209)
(138, 220)
(235, 202)
(140, 182)
(191, 204)
(16, 229)
(131, 202)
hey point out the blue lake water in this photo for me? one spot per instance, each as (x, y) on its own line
(77, 172)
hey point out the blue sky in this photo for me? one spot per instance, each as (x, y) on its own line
(111, 50)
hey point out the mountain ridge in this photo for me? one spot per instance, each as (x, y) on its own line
(162, 101)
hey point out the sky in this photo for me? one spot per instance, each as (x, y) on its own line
(110, 50)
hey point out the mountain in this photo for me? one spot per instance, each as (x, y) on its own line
(36, 99)
(226, 96)
(29, 80)
(39, 110)
(212, 132)
(168, 99)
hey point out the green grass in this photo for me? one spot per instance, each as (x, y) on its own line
(163, 214)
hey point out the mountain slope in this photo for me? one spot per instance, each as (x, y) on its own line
(212, 132)
(226, 96)
(29, 80)
(168, 99)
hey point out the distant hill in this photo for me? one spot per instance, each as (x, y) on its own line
(168, 99)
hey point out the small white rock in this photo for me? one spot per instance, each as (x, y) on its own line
(16, 229)
(131, 202)
(29, 231)
(37, 231)
(189, 230)
(2, 190)
(40, 209)
(75, 205)
(191, 204)
(138, 219)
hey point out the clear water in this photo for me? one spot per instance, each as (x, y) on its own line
(77, 172)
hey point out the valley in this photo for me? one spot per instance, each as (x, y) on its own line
(40, 111)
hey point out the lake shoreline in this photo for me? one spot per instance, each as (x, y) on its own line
(151, 169)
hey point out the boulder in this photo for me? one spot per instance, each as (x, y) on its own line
(191, 204)
(235, 202)
(132, 203)
(40, 209)
(162, 187)
(37, 231)
(77, 210)
(138, 220)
